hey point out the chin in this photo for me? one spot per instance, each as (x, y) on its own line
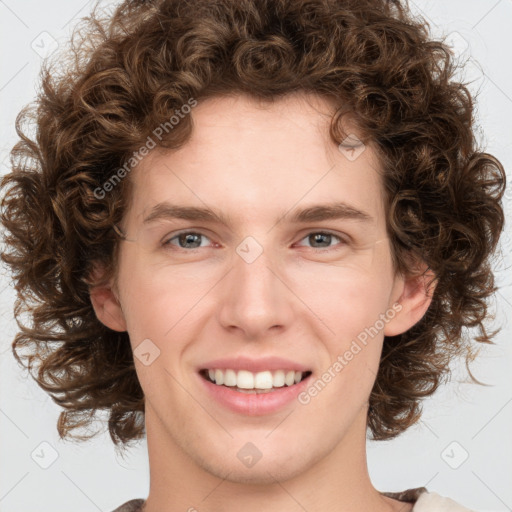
(260, 474)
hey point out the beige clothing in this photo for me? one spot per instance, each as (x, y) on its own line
(423, 500)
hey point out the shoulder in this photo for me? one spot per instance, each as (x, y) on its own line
(425, 501)
(433, 502)
(130, 506)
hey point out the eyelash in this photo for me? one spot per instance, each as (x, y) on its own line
(166, 244)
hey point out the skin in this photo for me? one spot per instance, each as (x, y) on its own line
(304, 299)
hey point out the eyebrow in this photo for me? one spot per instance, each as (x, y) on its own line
(314, 213)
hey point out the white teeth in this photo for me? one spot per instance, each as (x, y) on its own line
(278, 380)
(230, 378)
(244, 379)
(263, 380)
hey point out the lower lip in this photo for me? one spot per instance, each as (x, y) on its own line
(254, 404)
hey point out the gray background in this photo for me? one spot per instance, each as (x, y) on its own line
(462, 447)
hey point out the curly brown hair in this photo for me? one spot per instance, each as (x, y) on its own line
(127, 72)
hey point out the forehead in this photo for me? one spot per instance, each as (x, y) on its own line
(246, 156)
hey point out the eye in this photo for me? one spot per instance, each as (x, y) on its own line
(186, 240)
(323, 237)
(192, 239)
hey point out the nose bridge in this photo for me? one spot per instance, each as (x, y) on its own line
(255, 297)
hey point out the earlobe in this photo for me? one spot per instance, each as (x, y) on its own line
(106, 305)
(415, 299)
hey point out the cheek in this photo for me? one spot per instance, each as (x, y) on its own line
(159, 303)
(351, 307)
(347, 298)
(350, 304)
(351, 291)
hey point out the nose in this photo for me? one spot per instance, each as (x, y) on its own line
(255, 298)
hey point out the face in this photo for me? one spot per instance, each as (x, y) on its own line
(263, 286)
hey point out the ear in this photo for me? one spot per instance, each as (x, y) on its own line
(414, 294)
(104, 299)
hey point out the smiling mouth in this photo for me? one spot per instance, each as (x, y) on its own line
(254, 383)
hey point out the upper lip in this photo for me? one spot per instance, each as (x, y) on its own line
(254, 365)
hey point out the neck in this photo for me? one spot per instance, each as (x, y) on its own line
(335, 482)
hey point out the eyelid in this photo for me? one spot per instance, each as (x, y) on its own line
(342, 237)
(170, 236)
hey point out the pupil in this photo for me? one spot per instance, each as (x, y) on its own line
(186, 237)
(316, 236)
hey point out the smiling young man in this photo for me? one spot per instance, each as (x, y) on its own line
(290, 264)
(269, 244)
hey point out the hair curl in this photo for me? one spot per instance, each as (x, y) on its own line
(128, 72)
